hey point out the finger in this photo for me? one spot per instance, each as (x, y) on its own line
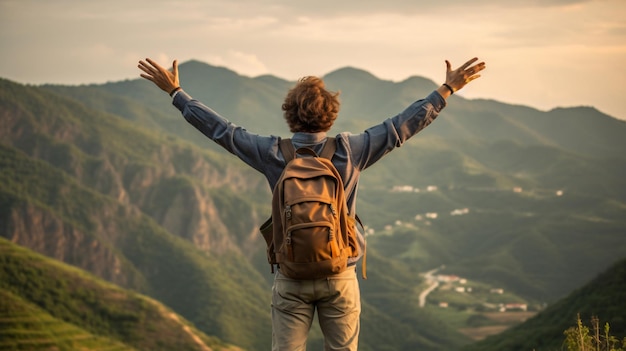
(476, 68)
(472, 78)
(146, 69)
(175, 67)
(448, 66)
(150, 65)
(155, 65)
(479, 67)
(148, 77)
(468, 63)
(143, 68)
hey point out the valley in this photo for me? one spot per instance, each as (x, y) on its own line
(477, 310)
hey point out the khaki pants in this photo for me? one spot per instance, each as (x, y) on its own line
(338, 303)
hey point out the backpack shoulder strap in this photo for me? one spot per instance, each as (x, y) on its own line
(286, 147)
(329, 148)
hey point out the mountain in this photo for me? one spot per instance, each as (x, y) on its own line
(603, 298)
(110, 178)
(47, 304)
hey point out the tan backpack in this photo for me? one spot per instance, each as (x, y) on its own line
(310, 234)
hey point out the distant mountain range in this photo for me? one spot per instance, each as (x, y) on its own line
(111, 179)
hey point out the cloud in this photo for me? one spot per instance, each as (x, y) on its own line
(241, 62)
(333, 8)
(166, 12)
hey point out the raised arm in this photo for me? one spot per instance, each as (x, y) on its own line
(380, 139)
(249, 147)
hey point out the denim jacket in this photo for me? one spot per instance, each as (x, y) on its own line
(355, 152)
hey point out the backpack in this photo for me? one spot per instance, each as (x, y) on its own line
(310, 234)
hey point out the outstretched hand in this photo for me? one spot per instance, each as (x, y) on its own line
(456, 79)
(164, 79)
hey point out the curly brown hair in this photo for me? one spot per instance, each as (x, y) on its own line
(309, 107)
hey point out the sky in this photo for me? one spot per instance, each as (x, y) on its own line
(539, 53)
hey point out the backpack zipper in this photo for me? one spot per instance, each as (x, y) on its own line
(288, 238)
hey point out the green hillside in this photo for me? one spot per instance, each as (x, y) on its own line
(49, 305)
(24, 326)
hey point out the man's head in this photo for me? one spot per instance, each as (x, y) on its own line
(309, 107)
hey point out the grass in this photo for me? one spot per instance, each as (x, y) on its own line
(581, 338)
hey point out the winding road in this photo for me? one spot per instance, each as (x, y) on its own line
(434, 283)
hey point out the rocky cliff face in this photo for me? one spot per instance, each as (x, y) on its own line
(43, 232)
(151, 174)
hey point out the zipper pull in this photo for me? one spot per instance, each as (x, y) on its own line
(289, 246)
(288, 212)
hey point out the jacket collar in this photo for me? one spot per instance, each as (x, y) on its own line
(308, 138)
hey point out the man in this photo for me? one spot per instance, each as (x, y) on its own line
(310, 111)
